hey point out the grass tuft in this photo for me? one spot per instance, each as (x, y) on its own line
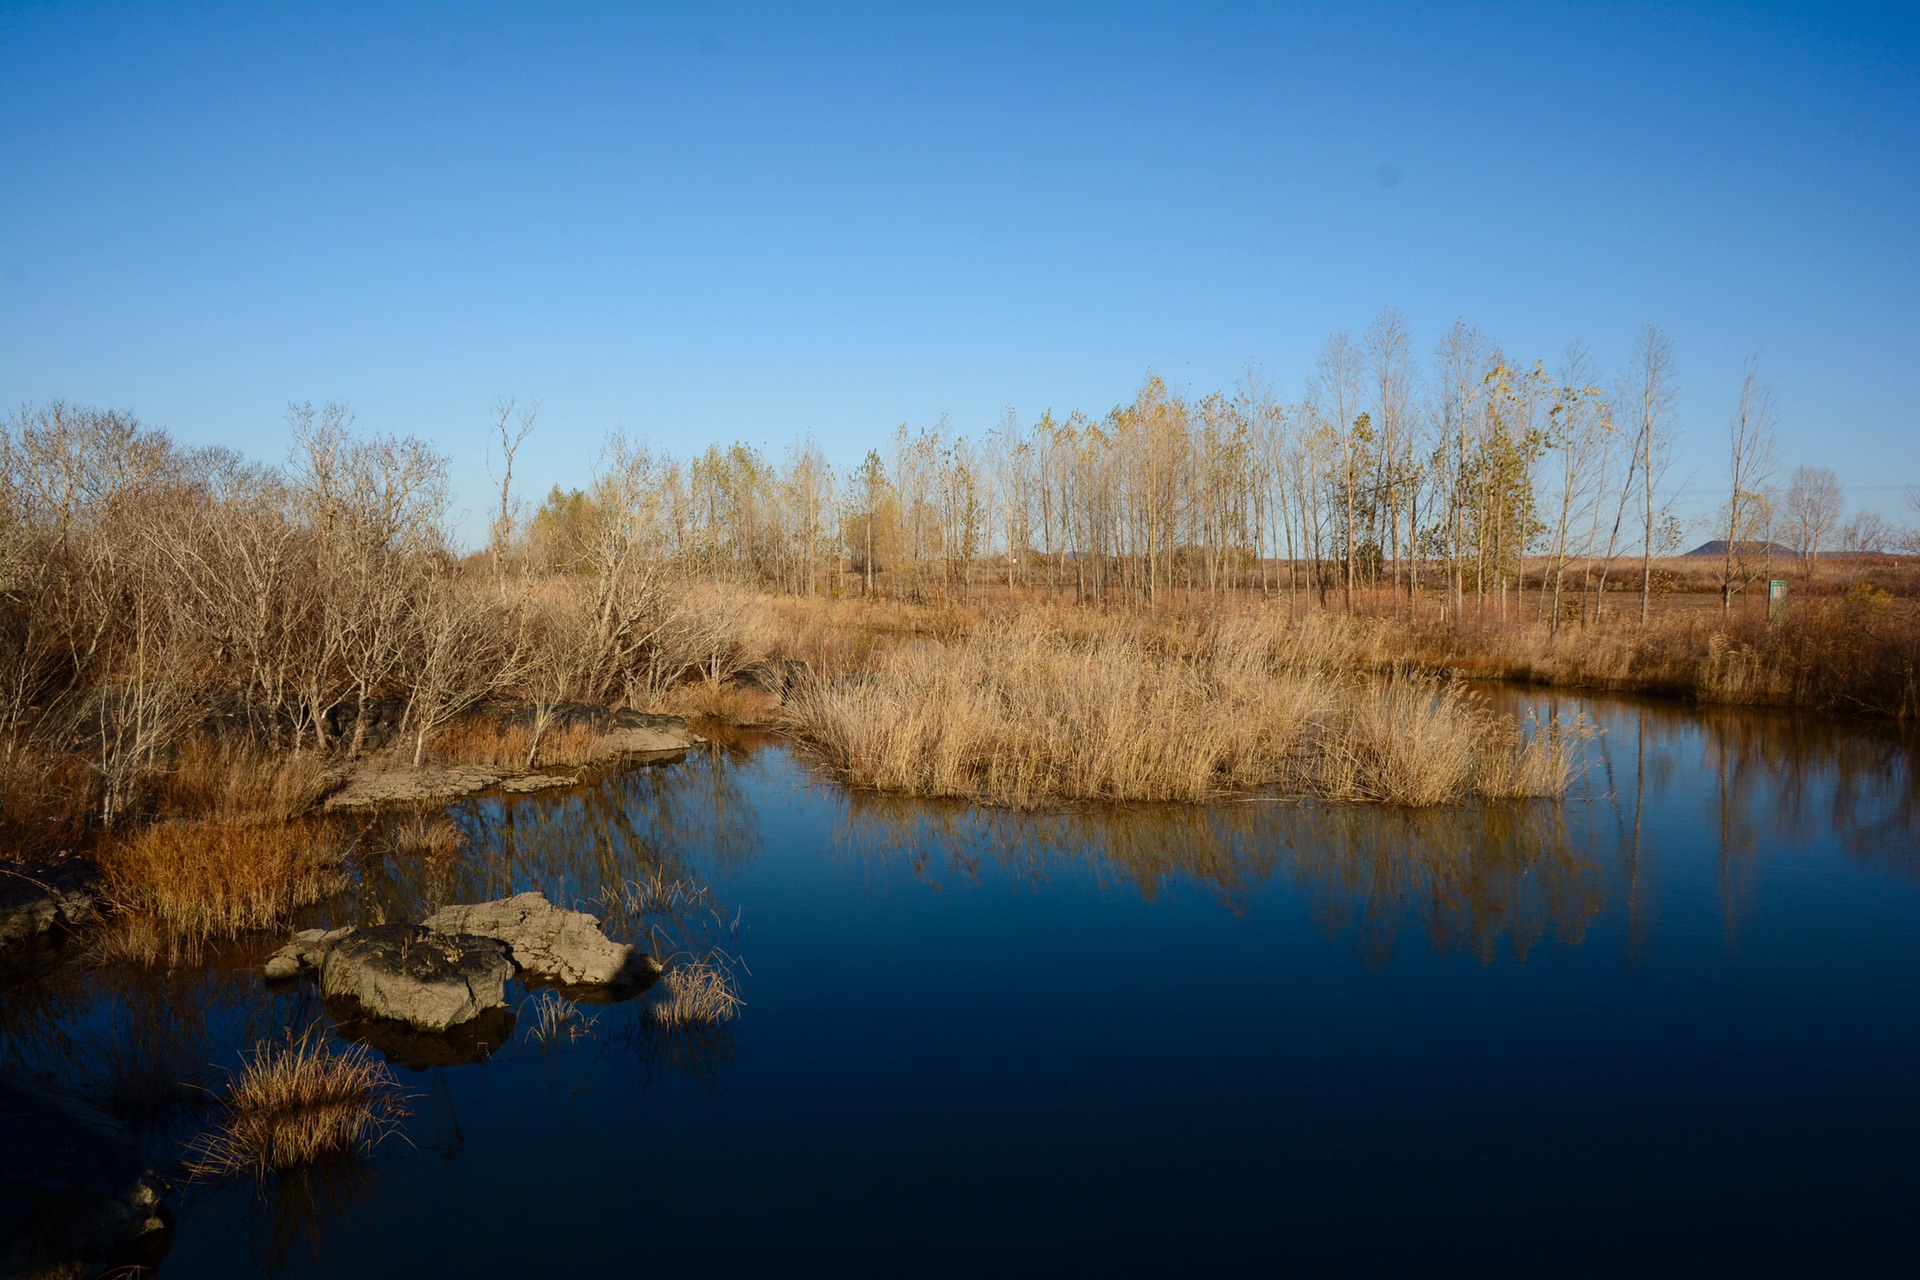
(553, 1020)
(698, 992)
(297, 1102)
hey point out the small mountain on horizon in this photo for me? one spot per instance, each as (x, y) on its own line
(1718, 547)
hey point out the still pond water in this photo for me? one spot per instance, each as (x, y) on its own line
(1671, 1025)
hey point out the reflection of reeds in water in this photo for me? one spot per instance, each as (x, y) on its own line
(1474, 879)
(1020, 715)
(297, 1101)
(301, 1208)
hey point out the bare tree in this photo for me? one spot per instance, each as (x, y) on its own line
(1390, 363)
(1746, 519)
(513, 433)
(1335, 394)
(457, 657)
(1652, 389)
(1812, 509)
(1867, 534)
(1578, 430)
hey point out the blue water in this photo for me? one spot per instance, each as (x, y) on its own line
(1669, 1026)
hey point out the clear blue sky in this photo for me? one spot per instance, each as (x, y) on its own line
(708, 223)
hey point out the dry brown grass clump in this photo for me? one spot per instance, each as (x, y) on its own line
(551, 1020)
(698, 992)
(1017, 713)
(431, 836)
(297, 1102)
(237, 780)
(706, 699)
(506, 746)
(182, 884)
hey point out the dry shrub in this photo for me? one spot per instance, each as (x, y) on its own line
(45, 802)
(181, 884)
(297, 1102)
(698, 992)
(236, 780)
(1021, 715)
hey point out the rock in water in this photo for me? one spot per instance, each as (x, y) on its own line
(547, 941)
(306, 953)
(35, 898)
(75, 1196)
(427, 979)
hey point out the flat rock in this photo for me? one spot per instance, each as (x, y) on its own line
(306, 953)
(546, 941)
(372, 786)
(38, 897)
(409, 974)
(535, 782)
(656, 739)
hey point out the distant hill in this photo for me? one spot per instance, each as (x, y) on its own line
(1718, 547)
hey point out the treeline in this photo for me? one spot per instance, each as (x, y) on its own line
(1387, 472)
(148, 590)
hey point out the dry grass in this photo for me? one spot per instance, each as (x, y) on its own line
(734, 704)
(46, 800)
(698, 993)
(552, 1020)
(1024, 713)
(182, 884)
(236, 780)
(1856, 650)
(298, 1102)
(434, 837)
(486, 741)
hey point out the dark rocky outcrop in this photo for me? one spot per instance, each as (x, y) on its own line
(75, 1196)
(42, 901)
(408, 974)
(385, 716)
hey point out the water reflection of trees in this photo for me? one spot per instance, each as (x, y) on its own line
(574, 845)
(1803, 780)
(1470, 879)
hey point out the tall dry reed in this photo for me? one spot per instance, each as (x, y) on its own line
(1020, 714)
(179, 885)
